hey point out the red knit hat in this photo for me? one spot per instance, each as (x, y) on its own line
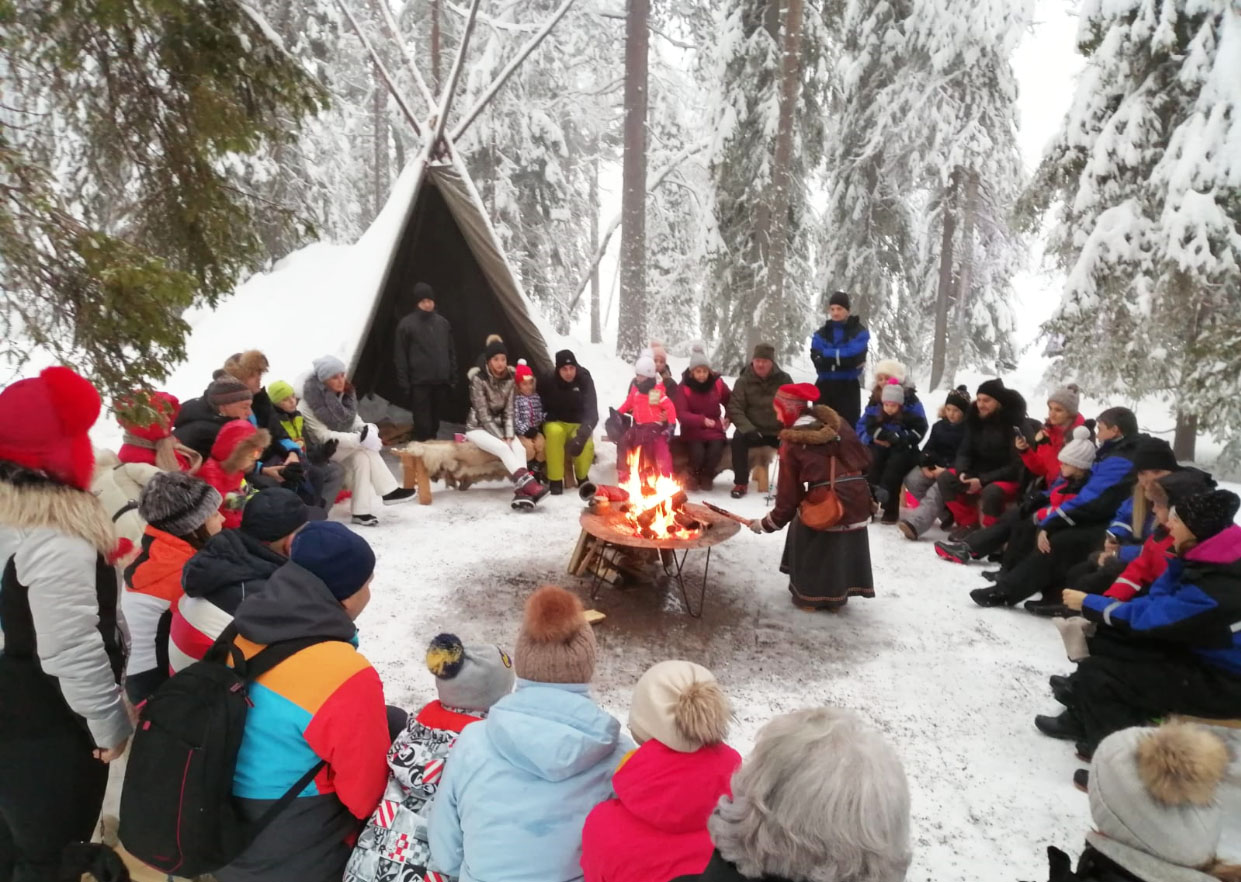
(44, 423)
(166, 408)
(799, 391)
(522, 372)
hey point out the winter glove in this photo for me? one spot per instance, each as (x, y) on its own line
(293, 474)
(575, 445)
(369, 437)
(325, 452)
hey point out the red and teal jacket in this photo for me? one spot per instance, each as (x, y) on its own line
(1196, 603)
(324, 703)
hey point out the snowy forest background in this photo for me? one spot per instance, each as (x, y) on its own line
(741, 158)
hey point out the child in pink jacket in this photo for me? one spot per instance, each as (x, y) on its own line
(654, 420)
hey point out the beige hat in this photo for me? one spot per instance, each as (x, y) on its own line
(556, 644)
(680, 705)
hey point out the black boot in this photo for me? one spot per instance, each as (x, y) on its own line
(1048, 609)
(957, 552)
(1062, 689)
(1081, 780)
(556, 487)
(399, 495)
(1065, 726)
(991, 575)
(993, 596)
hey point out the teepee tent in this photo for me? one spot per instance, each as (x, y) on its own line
(447, 241)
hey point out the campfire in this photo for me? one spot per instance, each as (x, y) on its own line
(653, 505)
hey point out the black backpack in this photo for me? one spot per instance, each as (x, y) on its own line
(178, 813)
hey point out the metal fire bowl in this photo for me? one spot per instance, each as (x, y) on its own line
(612, 526)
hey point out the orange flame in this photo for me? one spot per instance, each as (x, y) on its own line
(650, 497)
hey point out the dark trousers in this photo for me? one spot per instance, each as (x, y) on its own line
(741, 454)
(986, 541)
(51, 791)
(427, 404)
(1047, 573)
(1092, 578)
(1111, 693)
(888, 468)
(842, 396)
(704, 457)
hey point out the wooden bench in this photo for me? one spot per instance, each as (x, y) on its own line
(760, 463)
(459, 464)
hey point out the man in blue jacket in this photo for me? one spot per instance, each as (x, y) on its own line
(838, 350)
(1070, 532)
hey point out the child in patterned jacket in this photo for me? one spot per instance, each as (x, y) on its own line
(528, 419)
(469, 679)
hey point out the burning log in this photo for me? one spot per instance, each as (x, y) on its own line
(687, 521)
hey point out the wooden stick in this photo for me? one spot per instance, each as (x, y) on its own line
(409, 60)
(481, 104)
(441, 119)
(726, 513)
(383, 71)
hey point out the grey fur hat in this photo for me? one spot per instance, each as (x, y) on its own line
(698, 357)
(177, 503)
(1069, 397)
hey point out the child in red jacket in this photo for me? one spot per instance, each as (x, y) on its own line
(654, 419)
(655, 828)
(237, 448)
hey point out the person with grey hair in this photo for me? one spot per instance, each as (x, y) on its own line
(822, 798)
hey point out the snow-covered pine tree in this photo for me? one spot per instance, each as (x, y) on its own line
(871, 242)
(1144, 186)
(119, 207)
(957, 97)
(743, 67)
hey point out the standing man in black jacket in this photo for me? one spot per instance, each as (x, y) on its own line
(426, 362)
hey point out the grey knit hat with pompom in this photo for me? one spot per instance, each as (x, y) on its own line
(177, 503)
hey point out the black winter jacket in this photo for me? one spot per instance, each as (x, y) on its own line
(574, 402)
(988, 449)
(424, 351)
(197, 425)
(941, 447)
(229, 568)
(720, 870)
(1092, 866)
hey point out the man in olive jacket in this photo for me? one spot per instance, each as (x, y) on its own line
(426, 362)
(750, 411)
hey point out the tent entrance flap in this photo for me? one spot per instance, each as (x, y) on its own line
(447, 244)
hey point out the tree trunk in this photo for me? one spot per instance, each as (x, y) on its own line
(1184, 442)
(435, 48)
(965, 278)
(943, 295)
(781, 167)
(379, 141)
(596, 323)
(632, 321)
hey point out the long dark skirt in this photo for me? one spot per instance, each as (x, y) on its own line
(826, 568)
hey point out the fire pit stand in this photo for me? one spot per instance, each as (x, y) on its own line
(607, 536)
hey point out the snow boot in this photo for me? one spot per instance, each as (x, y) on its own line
(1048, 609)
(959, 534)
(556, 488)
(993, 596)
(957, 552)
(1081, 780)
(366, 520)
(739, 490)
(991, 575)
(1062, 689)
(399, 495)
(1065, 726)
(587, 490)
(527, 490)
(706, 482)
(1084, 751)
(907, 530)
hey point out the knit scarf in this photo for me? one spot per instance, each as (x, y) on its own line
(337, 412)
(166, 452)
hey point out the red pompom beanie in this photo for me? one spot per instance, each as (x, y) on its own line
(44, 425)
(522, 372)
(166, 407)
(799, 391)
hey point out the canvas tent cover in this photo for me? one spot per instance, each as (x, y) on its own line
(447, 242)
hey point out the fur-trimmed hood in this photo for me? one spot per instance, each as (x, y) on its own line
(235, 446)
(30, 500)
(824, 428)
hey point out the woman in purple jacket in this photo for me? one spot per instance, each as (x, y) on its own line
(701, 399)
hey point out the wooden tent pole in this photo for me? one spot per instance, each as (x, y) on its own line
(383, 71)
(395, 33)
(441, 120)
(481, 104)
